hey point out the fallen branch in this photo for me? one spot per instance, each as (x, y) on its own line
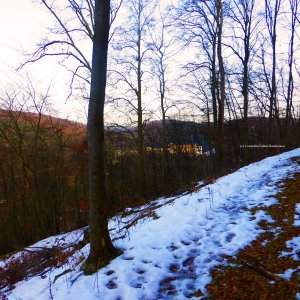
(135, 220)
(272, 276)
(61, 274)
(144, 213)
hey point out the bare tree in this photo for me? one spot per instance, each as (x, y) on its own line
(162, 46)
(129, 80)
(199, 28)
(202, 23)
(241, 12)
(272, 9)
(70, 37)
(219, 17)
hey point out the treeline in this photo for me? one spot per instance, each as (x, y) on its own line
(43, 172)
(43, 169)
(42, 178)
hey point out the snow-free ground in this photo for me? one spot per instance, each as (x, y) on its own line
(171, 254)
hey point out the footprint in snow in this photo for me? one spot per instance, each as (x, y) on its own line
(188, 262)
(128, 257)
(177, 256)
(174, 267)
(139, 270)
(138, 283)
(217, 243)
(173, 247)
(196, 239)
(110, 272)
(186, 243)
(145, 261)
(194, 251)
(190, 285)
(167, 288)
(229, 237)
(111, 285)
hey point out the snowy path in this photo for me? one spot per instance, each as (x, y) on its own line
(171, 257)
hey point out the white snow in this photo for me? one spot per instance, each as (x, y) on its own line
(287, 274)
(297, 215)
(176, 251)
(294, 246)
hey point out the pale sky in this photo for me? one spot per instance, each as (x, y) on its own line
(22, 25)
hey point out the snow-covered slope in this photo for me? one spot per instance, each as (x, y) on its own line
(171, 256)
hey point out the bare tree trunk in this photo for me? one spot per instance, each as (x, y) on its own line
(214, 85)
(141, 150)
(102, 249)
(222, 83)
(164, 138)
(290, 91)
(245, 92)
(271, 15)
(247, 13)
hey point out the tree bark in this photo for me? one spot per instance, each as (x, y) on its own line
(102, 249)
(141, 150)
(290, 91)
(271, 19)
(222, 83)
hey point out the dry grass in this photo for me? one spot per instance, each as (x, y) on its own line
(30, 264)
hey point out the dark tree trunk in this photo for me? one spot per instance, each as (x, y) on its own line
(222, 84)
(246, 89)
(162, 88)
(273, 104)
(102, 249)
(214, 85)
(271, 15)
(289, 99)
(141, 150)
(164, 144)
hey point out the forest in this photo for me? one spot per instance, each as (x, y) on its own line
(194, 90)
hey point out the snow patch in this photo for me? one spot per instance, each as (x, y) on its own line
(297, 215)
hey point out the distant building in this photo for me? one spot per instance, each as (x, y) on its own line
(190, 149)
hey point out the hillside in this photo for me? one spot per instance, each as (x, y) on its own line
(68, 127)
(172, 245)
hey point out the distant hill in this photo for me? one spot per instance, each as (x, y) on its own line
(73, 131)
(46, 121)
